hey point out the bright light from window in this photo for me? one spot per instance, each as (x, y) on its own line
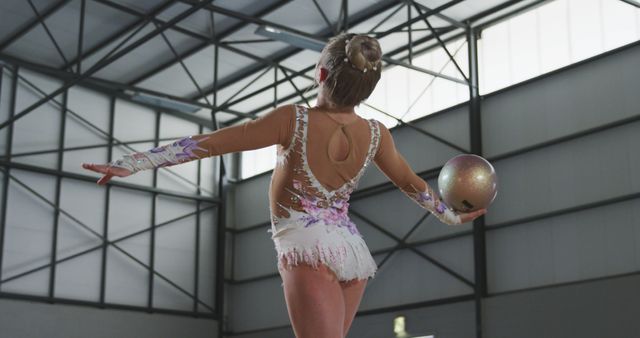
(548, 37)
(552, 36)
(254, 162)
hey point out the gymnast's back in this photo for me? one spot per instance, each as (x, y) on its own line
(319, 163)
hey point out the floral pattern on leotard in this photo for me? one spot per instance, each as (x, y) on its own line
(337, 213)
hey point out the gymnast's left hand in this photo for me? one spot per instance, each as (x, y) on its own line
(108, 171)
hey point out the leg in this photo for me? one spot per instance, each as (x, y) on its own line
(352, 292)
(314, 301)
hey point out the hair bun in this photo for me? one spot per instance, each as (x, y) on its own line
(363, 52)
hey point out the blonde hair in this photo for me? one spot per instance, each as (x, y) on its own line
(354, 66)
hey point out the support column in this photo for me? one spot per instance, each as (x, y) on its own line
(475, 129)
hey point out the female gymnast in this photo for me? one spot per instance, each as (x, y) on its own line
(321, 154)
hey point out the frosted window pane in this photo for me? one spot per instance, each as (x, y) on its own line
(258, 161)
(551, 36)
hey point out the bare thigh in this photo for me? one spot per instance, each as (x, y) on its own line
(314, 301)
(352, 292)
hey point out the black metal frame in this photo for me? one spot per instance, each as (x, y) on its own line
(479, 229)
(343, 22)
(7, 164)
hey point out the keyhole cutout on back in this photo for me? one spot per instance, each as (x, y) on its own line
(339, 147)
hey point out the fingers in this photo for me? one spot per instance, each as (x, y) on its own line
(95, 167)
(100, 168)
(104, 179)
(468, 217)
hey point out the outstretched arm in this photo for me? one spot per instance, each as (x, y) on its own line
(273, 128)
(396, 168)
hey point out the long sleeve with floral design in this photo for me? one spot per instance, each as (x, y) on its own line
(273, 128)
(396, 168)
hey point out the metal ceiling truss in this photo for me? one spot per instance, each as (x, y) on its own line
(108, 59)
(92, 126)
(118, 90)
(207, 41)
(388, 56)
(33, 23)
(46, 29)
(265, 65)
(283, 55)
(58, 173)
(113, 38)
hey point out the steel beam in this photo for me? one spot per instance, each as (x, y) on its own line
(184, 66)
(420, 17)
(475, 137)
(422, 70)
(107, 60)
(283, 55)
(91, 179)
(47, 31)
(34, 22)
(227, 103)
(8, 149)
(75, 302)
(386, 18)
(107, 203)
(404, 244)
(446, 18)
(324, 17)
(56, 213)
(117, 89)
(221, 218)
(206, 43)
(344, 27)
(387, 57)
(410, 36)
(196, 244)
(154, 203)
(403, 239)
(93, 126)
(89, 146)
(96, 234)
(98, 247)
(443, 45)
(83, 10)
(632, 3)
(300, 93)
(117, 35)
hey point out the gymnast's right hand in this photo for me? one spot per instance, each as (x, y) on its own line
(108, 171)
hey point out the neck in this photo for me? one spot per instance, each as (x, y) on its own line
(325, 104)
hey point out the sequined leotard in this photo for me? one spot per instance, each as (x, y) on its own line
(309, 189)
(321, 232)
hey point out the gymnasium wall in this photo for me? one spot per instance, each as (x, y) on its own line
(564, 146)
(34, 231)
(25, 319)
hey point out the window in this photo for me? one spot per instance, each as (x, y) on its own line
(552, 36)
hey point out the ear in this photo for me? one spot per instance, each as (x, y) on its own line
(323, 74)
